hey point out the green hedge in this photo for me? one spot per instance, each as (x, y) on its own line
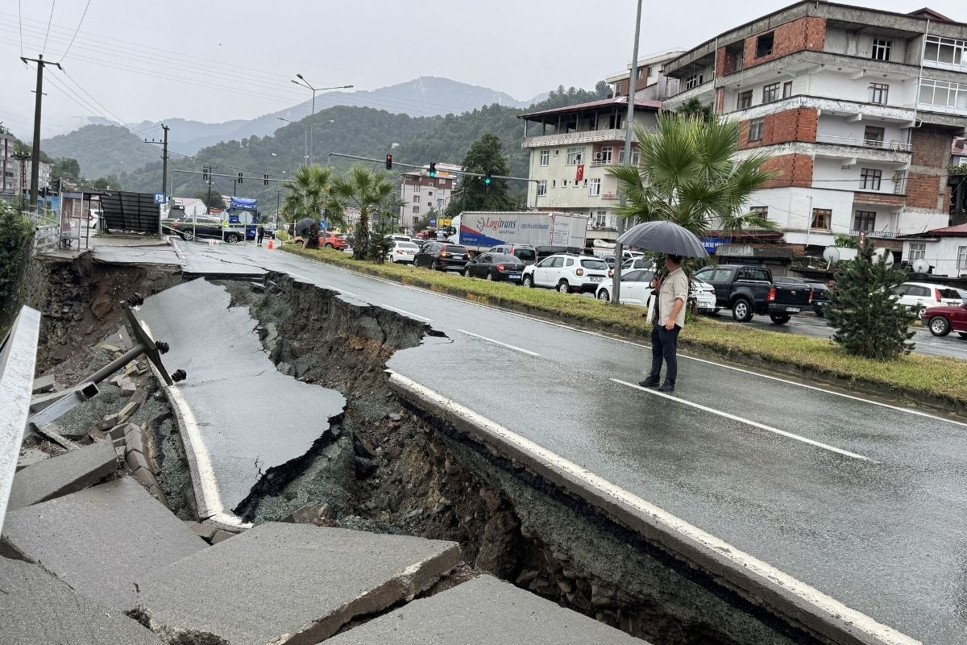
(16, 244)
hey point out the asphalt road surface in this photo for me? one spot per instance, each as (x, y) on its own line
(862, 500)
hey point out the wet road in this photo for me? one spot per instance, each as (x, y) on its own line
(862, 500)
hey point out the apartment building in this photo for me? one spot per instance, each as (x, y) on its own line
(422, 195)
(857, 108)
(571, 150)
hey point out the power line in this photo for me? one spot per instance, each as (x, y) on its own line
(86, 7)
(20, 20)
(53, 3)
(90, 96)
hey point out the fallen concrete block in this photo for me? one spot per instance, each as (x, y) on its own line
(134, 439)
(483, 610)
(204, 531)
(109, 422)
(62, 475)
(125, 338)
(288, 583)
(145, 477)
(109, 347)
(128, 388)
(38, 608)
(128, 411)
(45, 384)
(136, 460)
(29, 457)
(100, 540)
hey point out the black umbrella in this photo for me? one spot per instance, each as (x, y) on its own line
(664, 237)
(304, 224)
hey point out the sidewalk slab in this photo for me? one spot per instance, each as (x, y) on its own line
(100, 540)
(483, 610)
(62, 475)
(288, 583)
(38, 608)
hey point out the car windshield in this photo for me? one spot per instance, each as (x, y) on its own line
(595, 264)
(527, 255)
(500, 258)
(452, 248)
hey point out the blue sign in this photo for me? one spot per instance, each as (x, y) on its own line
(160, 198)
(433, 222)
(712, 243)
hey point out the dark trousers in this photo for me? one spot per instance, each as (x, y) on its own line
(664, 346)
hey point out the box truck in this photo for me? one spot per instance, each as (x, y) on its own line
(479, 231)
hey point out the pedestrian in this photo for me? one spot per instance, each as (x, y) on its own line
(260, 233)
(668, 321)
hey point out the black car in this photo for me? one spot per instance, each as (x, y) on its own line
(820, 291)
(495, 266)
(441, 256)
(525, 252)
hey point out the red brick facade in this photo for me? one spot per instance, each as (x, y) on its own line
(782, 127)
(927, 178)
(807, 33)
(878, 199)
(794, 170)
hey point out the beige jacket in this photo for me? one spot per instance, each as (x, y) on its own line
(673, 287)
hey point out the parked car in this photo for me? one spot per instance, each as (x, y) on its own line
(495, 266)
(203, 226)
(544, 252)
(93, 218)
(567, 273)
(402, 252)
(635, 288)
(946, 318)
(332, 240)
(919, 296)
(748, 290)
(704, 295)
(820, 291)
(525, 252)
(441, 256)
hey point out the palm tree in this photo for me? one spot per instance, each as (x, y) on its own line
(689, 176)
(308, 193)
(366, 190)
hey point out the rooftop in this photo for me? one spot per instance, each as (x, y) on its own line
(642, 104)
(948, 231)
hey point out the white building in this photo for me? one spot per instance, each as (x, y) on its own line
(857, 107)
(423, 195)
(945, 249)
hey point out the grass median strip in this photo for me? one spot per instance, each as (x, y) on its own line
(928, 379)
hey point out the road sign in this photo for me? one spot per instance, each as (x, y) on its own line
(445, 222)
(160, 198)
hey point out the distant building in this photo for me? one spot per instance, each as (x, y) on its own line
(9, 186)
(944, 249)
(652, 82)
(423, 195)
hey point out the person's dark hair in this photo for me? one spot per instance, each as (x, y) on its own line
(677, 259)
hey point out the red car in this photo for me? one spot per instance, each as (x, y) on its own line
(946, 318)
(334, 241)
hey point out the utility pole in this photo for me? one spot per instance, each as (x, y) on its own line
(164, 160)
(38, 100)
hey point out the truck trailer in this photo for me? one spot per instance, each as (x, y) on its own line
(479, 231)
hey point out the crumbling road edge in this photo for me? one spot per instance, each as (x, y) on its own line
(793, 600)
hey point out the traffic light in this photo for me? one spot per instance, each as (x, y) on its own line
(265, 180)
(389, 162)
(488, 179)
(239, 177)
(433, 169)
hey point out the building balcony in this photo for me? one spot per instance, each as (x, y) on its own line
(854, 110)
(850, 153)
(895, 146)
(574, 138)
(884, 235)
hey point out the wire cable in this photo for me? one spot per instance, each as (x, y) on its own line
(74, 37)
(20, 20)
(53, 3)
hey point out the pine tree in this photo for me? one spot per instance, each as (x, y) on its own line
(868, 319)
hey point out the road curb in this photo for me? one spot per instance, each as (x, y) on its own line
(793, 601)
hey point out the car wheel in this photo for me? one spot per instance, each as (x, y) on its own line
(328, 246)
(939, 326)
(490, 276)
(231, 238)
(466, 273)
(780, 319)
(604, 295)
(435, 265)
(563, 287)
(528, 281)
(187, 236)
(742, 310)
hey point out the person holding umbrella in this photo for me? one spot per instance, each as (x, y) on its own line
(675, 242)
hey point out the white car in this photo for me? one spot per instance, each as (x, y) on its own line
(704, 295)
(402, 252)
(567, 273)
(635, 288)
(917, 296)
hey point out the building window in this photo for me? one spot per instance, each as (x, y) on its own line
(763, 44)
(873, 136)
(574, 156)
(864, 221)
(430, 193)
(604, 155)
(542, 188)
(694, 81)
(416, 209)
(787, 89)
(870, 178)
(879, 93)
(745, 100)
(822, 217)
(756, 127)
(917, 251)
(961, 259)
(595, 187)
(770, 93)
(416, 199)
(416, 188)
(881, 49)
(545, 157)
(943, 93)
(600, 219)
(947, 51)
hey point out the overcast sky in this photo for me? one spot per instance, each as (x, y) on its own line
(139, 59)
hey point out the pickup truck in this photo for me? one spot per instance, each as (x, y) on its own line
(749, 290)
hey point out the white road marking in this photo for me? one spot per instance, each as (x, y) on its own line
(497, 342)
(406, 313)
(301, 277)
(744, 565)
(754, 424)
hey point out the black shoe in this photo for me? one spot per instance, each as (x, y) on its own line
(667, 387)
(651, 381)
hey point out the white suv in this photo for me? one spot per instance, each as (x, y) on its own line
(917, 296)
(566, 273)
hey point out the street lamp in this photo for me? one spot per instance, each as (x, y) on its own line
(302, 82)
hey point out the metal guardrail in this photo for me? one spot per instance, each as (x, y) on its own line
(18, 358)
(46, 238)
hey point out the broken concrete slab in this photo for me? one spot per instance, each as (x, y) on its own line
(62, 475)
(29, 457)
(101, 539)
(128, 410)
(38, 608)
(204, 531)
(45, 384)
(128, 388)
(136, 460)
(483, 610)
(288, 583)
